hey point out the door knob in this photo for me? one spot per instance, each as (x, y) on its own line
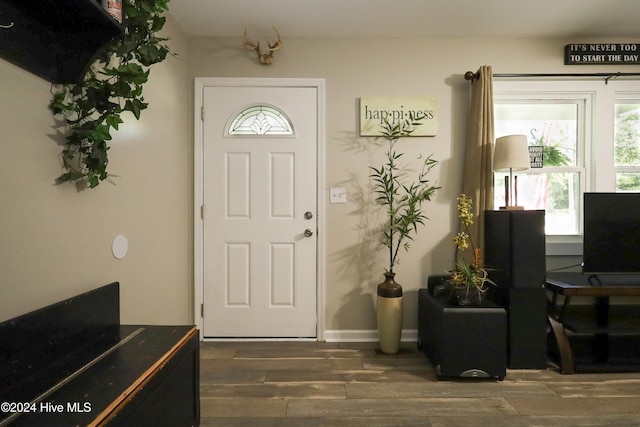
(308, 215)
(308, 233)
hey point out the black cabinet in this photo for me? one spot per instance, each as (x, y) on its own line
(170, 396)
(55, 39)
(515, 253)
(462, 341)
(77, 356)
(526, 326)
(515, 248)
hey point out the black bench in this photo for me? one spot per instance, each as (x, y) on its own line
(73, 363)
(462, 342)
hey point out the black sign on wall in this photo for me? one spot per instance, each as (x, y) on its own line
(536, 156)
(602, 53)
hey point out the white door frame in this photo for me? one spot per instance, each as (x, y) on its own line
(198, 187)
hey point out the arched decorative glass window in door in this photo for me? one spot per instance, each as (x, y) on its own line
(260, 120)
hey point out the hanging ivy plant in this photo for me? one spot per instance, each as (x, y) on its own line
(111, 87)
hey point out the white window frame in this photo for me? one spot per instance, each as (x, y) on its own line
(597, 151)
(619, 98)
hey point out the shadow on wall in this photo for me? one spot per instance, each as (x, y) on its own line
(441, 258)
(221, 49)
(359, 263)
(363, 263)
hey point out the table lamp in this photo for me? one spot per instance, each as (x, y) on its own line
(511, 154)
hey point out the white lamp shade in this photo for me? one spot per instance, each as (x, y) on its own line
(511, 153)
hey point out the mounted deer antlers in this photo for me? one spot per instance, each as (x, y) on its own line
(265, 58)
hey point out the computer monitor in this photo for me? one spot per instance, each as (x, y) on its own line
(611, 233)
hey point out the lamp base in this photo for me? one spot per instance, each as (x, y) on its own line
(511, 208)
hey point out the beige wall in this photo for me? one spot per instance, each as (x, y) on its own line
(362, 67)
(55, 241)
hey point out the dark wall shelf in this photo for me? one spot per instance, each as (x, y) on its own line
(54, 39)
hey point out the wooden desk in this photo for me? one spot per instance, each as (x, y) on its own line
(600, 319)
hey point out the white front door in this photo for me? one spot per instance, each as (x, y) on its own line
(260, 213)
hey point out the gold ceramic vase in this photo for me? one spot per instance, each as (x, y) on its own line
(389, 314)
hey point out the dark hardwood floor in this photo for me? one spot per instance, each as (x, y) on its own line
(310, 384)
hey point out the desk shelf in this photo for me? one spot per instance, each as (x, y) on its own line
(623, 320)
(596, 337)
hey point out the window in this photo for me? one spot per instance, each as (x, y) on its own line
(590, 131)
(260, 120)
(554, 124)
(627, 144)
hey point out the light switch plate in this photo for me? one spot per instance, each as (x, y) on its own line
(337, 195)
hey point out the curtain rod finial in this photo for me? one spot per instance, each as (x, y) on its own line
(469, 75)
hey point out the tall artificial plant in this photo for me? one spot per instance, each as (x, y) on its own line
(403, 202)
(112, 86)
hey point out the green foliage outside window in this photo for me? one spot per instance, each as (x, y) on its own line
(627, 146)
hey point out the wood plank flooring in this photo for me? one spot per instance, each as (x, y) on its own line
(310, 384)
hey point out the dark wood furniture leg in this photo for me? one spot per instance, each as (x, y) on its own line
(564, 348)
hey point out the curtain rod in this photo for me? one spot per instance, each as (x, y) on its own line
(470, 75)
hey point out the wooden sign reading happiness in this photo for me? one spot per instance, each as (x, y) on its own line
(374, 110)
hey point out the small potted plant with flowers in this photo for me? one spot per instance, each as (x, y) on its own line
(469, 281)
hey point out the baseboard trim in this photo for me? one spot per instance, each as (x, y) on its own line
(355, 335)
